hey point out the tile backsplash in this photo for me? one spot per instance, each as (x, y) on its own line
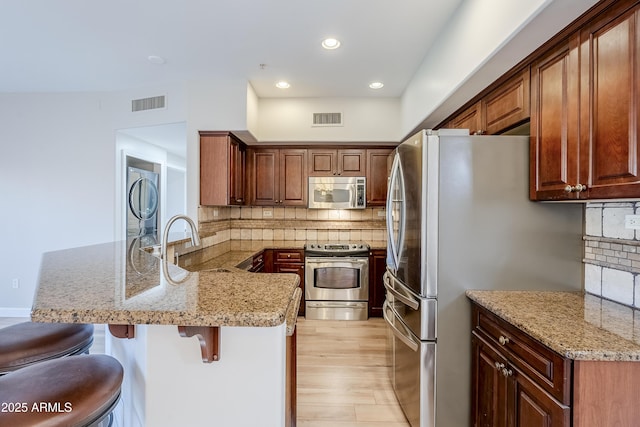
(612, 252)
(219, 224)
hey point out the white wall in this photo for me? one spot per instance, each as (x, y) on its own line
(57, 177)
(58, 186)
(56, 183)
(364, 119)
(212, 105)
(484, 39)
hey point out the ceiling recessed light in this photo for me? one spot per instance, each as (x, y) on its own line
(282, 85)
(154, 59)
(376, 85)
(330, 43)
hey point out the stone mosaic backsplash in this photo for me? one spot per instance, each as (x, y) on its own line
(612, 252)
(219, 224)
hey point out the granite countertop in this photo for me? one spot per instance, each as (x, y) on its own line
(232, 253)
(576, 325)
(118, 283)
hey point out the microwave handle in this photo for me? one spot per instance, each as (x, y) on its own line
(353, 199)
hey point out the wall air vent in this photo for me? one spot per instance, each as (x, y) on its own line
(327, 119)
(153, 103)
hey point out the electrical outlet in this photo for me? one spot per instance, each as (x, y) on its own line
(267, 213)
(15, 283)
(632, 222)
(381, 213)
(215, 212)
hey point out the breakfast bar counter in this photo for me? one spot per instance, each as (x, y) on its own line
(117, 283)
(197, 347)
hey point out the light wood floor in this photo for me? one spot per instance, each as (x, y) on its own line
(343, 373)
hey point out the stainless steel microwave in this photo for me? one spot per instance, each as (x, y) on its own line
(337, 192)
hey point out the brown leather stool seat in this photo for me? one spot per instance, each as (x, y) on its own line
(27, 343)
(72, 392)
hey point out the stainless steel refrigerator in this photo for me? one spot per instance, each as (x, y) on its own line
(459, 217)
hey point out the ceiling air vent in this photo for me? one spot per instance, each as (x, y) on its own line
(327, 119)
(153, 103)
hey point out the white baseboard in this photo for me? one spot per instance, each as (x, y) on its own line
(15, 312)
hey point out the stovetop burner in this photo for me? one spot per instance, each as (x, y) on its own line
(336, 248)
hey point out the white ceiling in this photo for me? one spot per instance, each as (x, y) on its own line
(89, 45)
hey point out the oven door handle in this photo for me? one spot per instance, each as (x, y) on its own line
(405, 336)
(403, 297)
(332, 261)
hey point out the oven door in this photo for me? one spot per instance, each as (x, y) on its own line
(337, 278)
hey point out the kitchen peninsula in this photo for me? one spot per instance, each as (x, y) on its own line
(198, 348)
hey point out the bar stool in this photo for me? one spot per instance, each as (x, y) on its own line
(26, 343)
(78, 391)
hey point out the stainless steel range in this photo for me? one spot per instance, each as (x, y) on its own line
(336, 281)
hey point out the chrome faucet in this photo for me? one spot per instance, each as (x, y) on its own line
(195, 238)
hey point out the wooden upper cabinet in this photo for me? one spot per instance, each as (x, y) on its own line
(222, 169)
(585, 119)
(508, 105)
(330, 162)
(279, 177)
(499, 110)
(554, 124)
(609, 104)
(377, 173)
(471, 119)
(265, 181)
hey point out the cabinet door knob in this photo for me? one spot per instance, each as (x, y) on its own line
(507, 372)
(500, 366)
(503, 340)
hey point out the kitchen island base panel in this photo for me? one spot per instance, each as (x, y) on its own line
(166, 383)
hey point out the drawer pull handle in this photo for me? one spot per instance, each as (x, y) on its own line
(503, 340)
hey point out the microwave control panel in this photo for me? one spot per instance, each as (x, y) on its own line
(360, 190)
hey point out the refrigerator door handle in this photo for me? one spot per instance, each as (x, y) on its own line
(404, 298)
(396, 237)
(405, 337)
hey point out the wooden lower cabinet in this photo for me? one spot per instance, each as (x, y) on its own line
(286, 261)
(502, 393)
(517, 381)
(377, 267)
(532, 406)
(489, 402)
